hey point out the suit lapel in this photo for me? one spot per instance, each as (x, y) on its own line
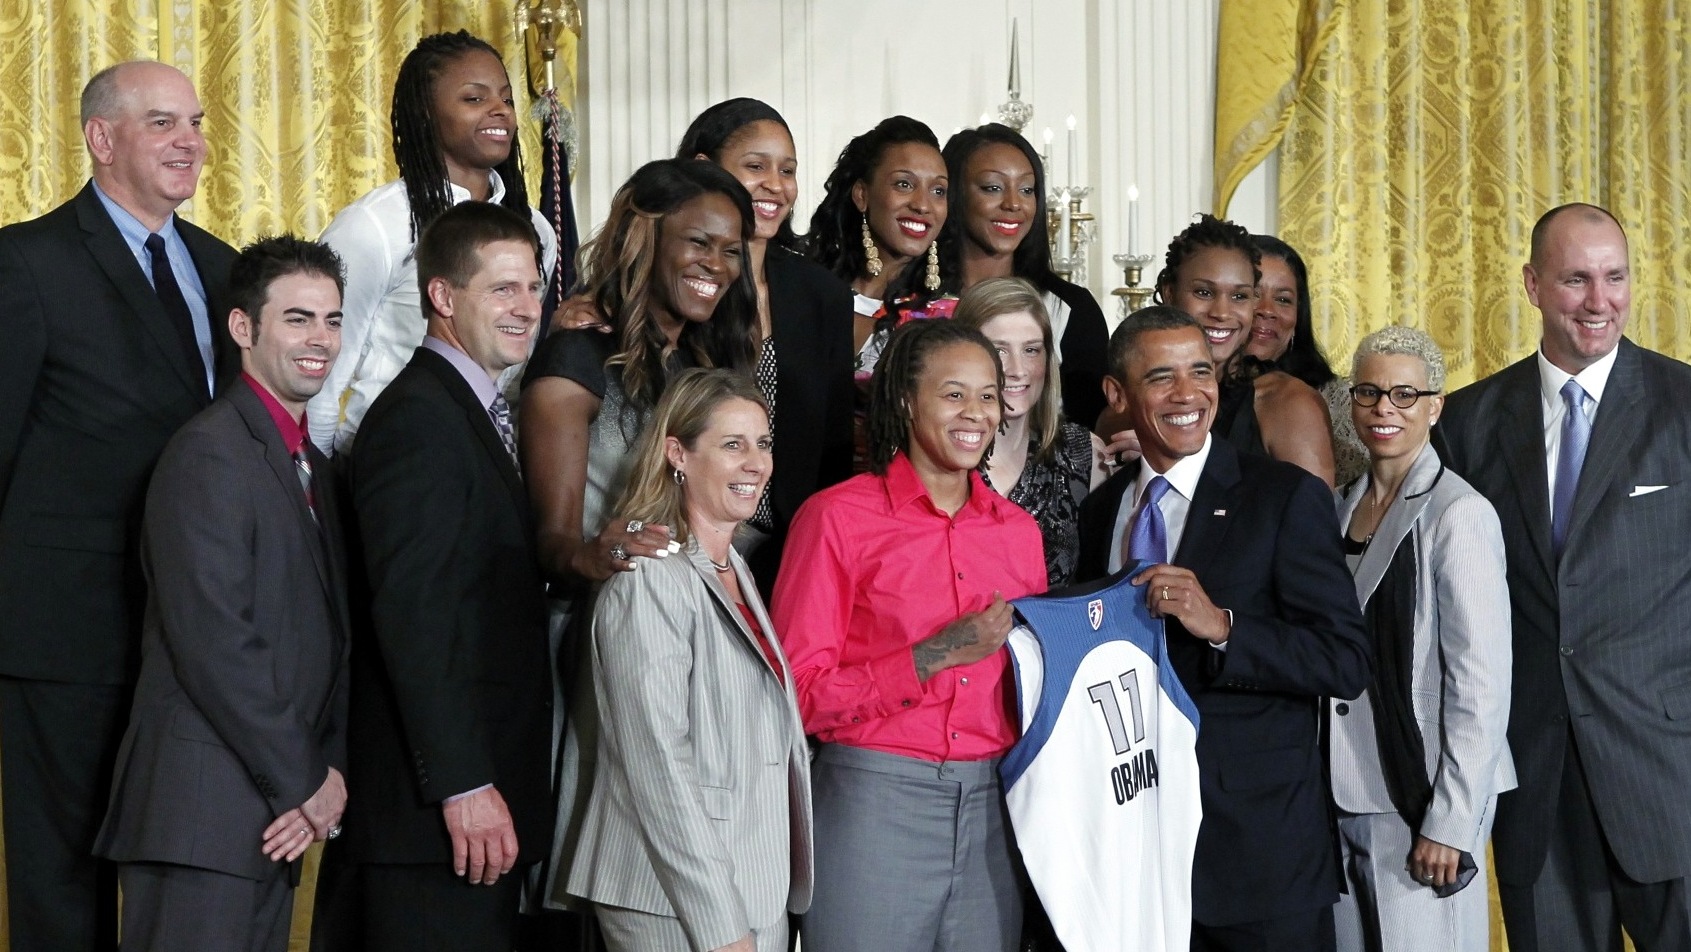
(1619, 421)
(725, 603)
(202, 248)
(1098, 521)
(1412, 499)
(480, 422)
(282, 466)
(1206, 517)
(113, 255)
(1520, 442)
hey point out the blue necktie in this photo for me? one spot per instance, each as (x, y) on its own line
(1147, 538)
(1576, 436)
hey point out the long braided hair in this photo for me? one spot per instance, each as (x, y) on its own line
(416, 139)
(896, 375)
(835, 240)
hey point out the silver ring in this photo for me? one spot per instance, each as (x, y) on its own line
(305, 832)
(619, 553)
(634, 526)
(334, 831)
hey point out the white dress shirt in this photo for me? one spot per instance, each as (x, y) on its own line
(1551, 380)
(1183, 480)
(382, 322)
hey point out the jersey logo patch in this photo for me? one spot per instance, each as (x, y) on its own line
(1095, 612)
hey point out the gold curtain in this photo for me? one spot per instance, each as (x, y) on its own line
(1430, 135)
(1268, 47)
(296, 94)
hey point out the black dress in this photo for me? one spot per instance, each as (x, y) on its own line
(1051, 490)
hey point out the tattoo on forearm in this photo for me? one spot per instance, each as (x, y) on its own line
(931, 654)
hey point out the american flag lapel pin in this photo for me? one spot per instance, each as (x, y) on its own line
(1219, 512)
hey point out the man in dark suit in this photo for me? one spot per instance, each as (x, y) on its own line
(107, 304)
(1584, 448)
(1261, 619)
(451, 725)
(231, 765)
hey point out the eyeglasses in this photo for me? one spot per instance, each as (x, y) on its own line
(1366, 395)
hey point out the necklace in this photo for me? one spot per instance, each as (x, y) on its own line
(719, 566)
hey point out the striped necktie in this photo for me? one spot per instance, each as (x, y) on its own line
(302, 469)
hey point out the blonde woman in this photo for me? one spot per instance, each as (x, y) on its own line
(1039, 461)
(697, 834)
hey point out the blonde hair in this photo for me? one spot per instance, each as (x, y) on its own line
(1395, 339)
(684, 412)
(995, 297)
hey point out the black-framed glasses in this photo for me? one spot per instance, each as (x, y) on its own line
(1366, 395)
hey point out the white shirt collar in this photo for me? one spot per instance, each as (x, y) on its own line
(1182, 476)
(1551, 378)
(496, 189)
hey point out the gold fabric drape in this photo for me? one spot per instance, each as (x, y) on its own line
(1268, 47)
(1430, 135)
(296, 94)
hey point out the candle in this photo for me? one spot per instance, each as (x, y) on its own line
(1133, 218)
(1015, 64)
(1064, 245)
(1045, 153)
(1074, 154)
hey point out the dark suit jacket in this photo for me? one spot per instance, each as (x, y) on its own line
(241, 705)
(93, 382)
(811, 313)
(1599, 636)
(1263, 541)
(452, 687)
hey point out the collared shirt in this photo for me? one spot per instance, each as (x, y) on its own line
(1551, 380)
(382, 313)
(484, 387)
(293, 431)
(872, 567)
(1183, 479)
(181, 264)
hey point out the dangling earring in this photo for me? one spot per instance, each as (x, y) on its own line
(872, 264)
(678, 476)
(931, 282)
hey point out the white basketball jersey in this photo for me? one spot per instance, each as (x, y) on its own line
(1103, 786)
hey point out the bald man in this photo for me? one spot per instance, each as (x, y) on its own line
(105, 307)
(1584, 448)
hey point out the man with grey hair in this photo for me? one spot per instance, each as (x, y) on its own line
(106, 303)
(1584, 449)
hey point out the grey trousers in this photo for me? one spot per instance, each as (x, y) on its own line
(170, 908)
(628, 930)
(911, 856)
(1387, 911)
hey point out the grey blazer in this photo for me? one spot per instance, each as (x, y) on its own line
(241, 708)
(700, 807)
(1460, 684)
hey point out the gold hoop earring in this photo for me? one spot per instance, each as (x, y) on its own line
(871, 255)
(931, 281)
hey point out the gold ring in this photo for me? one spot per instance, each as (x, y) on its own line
(1165, 593)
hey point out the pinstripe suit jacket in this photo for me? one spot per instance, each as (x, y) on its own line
(1600, 634)
(1460, 682)
(701, 802)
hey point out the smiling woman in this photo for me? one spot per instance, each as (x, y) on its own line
(454, 125)
(909, 699)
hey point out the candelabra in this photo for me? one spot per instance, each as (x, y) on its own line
(1015, 113)
(1131, 295)
(1071, 231)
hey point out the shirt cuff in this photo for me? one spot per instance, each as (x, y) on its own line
(1223, 645)
(467, 793)
(896, 685)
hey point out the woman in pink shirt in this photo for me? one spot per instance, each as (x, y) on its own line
(892, 603)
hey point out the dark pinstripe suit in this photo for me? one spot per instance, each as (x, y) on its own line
(1602, 657)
